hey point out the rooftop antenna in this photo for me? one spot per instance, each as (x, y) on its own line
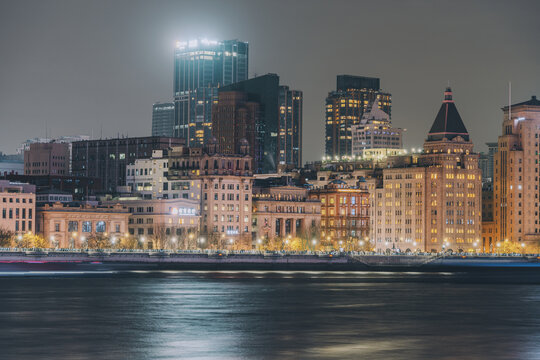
(509, 100)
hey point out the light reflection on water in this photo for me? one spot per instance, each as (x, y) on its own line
(268, 315)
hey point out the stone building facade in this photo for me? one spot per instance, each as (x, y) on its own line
(433, 201)
(17, 207)
(281, 211)
(69, 226)
(162, 223)
(226, 191)
(344, 214)
(516, 172)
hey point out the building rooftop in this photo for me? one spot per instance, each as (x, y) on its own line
(533, 101)
(448, 123)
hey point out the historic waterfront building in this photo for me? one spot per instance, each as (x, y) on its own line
(107, 159)
(282, 211)
(345, 108)
(162, 223)
(70, 226)
(17, 207)
(516, 173)
(432, 202)
(344, 214)
(200, 67)
(226, 191)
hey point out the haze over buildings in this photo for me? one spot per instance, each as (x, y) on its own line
(125, 63)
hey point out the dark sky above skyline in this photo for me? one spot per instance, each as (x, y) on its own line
(83, 66)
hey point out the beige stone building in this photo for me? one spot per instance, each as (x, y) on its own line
(344, 214)
(226, 191)
(17, 207)
(69, 226)
(280, 211)
(432, 202)
(516, 173)
(162, 223)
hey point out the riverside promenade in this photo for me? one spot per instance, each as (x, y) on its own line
(46, 260)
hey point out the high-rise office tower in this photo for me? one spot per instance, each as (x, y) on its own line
(265, 91)
(278, 132)
(200, 68)
(233, 121)
(345, 107)
(290, 127)
(163, 119)
(516, 173)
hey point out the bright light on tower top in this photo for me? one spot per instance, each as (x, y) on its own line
(195, 43)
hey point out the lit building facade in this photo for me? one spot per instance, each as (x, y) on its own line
(281, 211)
(70, 226)
(344, 214)
(163, 119)
(345, 108)
(148, 178)
(161, 223)
(516, 173)
(432, 202)
(375, 137)
(17, 207)
(200, 68)
(226, 191)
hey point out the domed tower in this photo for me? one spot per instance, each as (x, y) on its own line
(243, 147)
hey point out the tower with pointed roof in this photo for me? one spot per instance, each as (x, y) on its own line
(448, 133)
(432, 204)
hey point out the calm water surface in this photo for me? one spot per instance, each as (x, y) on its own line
(267, 315)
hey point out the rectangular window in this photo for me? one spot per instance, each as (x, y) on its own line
(87, 226)
(100, 226)
(73, 226)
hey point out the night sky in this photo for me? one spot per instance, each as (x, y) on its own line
(80, 67)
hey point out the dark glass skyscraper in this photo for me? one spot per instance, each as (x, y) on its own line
(345, 108)
(278, 130)
(265, 91)
(200, 68)
(290, 127)
(163, 119)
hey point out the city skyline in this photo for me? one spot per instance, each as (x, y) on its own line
(477, 48)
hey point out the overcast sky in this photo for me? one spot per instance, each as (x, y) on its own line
(80, 67)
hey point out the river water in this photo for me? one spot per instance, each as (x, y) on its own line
(268, 315)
